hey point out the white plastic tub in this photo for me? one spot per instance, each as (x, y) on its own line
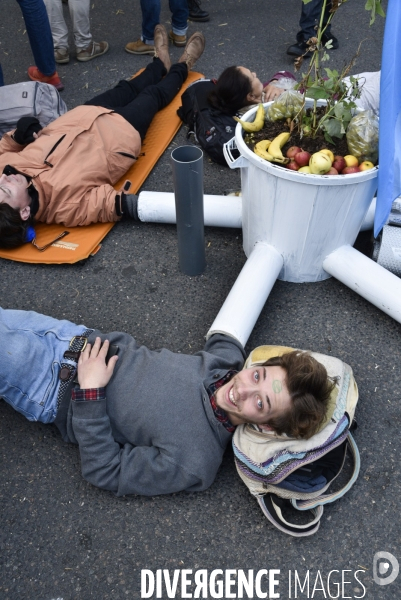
(304, 217)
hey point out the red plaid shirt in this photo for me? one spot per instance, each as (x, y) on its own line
(219, 413)
(89, 395)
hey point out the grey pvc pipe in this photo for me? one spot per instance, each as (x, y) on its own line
(187, 165)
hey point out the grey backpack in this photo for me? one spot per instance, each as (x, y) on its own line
(29, 99)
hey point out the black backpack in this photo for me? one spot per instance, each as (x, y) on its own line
(210, 127)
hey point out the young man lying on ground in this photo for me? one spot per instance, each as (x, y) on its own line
(65, 173)
(151, 422)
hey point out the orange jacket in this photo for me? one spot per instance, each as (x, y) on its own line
(75, 163)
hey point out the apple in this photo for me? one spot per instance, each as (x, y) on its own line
(319, 163)
(329, 154)
(304, 170)
(332, 171)
(302, 158)
(291, 152)
(293, 165)
(366, 165)
(351, 161)
(339, 163)
(350, 170)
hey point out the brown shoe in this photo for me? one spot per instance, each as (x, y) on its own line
(61, 56)
(139, 47)
(194, 49)
(178, 40)
(92, 51)
(161, 46)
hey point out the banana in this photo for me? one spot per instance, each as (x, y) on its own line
(261, 150)
(257, 123)
(277, 144)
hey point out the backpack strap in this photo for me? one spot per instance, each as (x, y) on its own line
(270, 505)
(327, 498)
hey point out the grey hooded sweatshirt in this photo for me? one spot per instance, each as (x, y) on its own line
(155, 433)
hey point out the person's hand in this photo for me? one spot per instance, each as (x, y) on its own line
(92, 369)
(27, 130)
(272, 92)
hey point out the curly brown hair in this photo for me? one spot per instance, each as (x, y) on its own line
(309, 388)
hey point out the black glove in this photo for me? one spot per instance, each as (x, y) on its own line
(26, 127)
(127, 206)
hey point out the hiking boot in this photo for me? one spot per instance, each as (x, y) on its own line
(196, 13)
(61, 56)
(161, 46)
(194, 49)
(139, 47)
(36, 75)
(92, 51)
(178, 40)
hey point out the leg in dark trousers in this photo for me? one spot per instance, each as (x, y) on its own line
(141, 111)
(126, 91)
(139, 99)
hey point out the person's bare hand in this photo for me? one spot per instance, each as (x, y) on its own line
(37, 135)
(272, 92)
(92, 369)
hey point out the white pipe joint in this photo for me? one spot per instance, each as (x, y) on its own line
(219, 211)
(249, 293)
(366, 278)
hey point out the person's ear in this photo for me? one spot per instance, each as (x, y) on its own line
(25, 213)
(265, 427)
(251, 98)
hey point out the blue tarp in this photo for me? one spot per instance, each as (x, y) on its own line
(389, 179)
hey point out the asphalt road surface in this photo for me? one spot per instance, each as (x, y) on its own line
(61, 537)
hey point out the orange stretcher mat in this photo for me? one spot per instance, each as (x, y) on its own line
(82, 242)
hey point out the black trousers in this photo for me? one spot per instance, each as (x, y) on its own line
(139, 99)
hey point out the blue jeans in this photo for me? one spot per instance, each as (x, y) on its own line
(151, 17)
(39, 33)
(1, 77)
(310, 17)
(31, 350)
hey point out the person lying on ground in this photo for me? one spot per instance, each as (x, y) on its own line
(151, 422)
(65, 172)
(238, 87)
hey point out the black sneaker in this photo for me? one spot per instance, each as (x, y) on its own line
(299, 49)
(196, 13)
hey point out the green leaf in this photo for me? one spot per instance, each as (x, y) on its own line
(339, 110)
(332, 127)
(331, 74)
(317, 93)
(306, 1)
(328, 138)
(379, 9)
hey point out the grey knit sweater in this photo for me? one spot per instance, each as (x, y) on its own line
(156, 432)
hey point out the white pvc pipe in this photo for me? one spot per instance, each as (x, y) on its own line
(249, 293)
(366, 278)
(219, 211)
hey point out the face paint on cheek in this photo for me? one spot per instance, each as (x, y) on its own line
(277, 386)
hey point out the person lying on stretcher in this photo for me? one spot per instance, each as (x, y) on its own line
(65, 172)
